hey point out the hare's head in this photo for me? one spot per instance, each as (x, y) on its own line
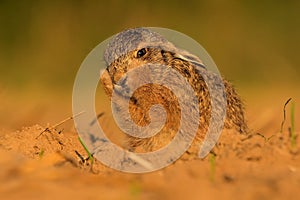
(136, 47)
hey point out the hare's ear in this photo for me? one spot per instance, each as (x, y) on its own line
(184, 55)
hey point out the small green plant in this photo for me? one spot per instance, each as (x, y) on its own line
(41, 153)
(212, 162)
(135, 190)
(91, 158)
(292, 129)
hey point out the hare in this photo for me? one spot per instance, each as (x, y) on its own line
(136, 47)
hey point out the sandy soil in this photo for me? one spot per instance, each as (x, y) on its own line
(261, 165)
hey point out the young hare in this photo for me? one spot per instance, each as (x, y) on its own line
(133, 48)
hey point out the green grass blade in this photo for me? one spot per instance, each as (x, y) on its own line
(91, 158)
(293, 134)
(212, 162)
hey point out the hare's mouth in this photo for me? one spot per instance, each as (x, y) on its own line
(121, 88)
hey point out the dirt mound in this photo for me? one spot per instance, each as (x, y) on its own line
(52, 164)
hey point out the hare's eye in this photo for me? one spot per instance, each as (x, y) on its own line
(141, 53)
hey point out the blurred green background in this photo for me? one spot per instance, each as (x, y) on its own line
(42, 44)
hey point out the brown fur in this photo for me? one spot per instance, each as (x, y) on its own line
(151, 94)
